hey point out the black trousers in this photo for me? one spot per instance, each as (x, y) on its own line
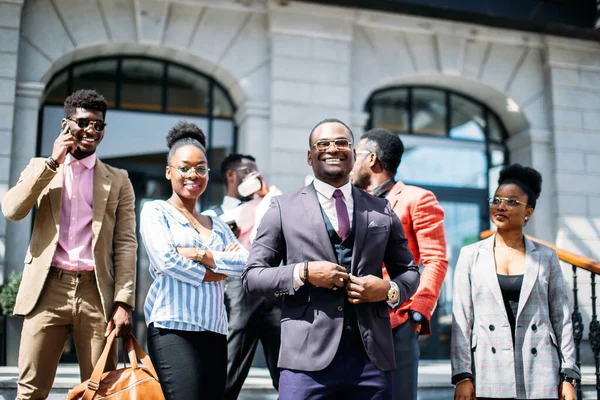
(190, 365)
(251, 318)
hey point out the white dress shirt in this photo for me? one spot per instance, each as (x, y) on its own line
(327, 202)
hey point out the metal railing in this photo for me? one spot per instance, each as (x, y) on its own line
(578, 262)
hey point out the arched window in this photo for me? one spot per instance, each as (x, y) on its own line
(454, 146)
(146, 97)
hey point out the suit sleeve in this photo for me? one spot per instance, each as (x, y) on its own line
(263, 274)
(560, 316)
(125, 245)
(462, 320)
(22, 197)
(428, 226)
(399, 260)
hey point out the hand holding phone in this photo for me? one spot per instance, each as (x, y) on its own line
(234, 228)
(65, 142)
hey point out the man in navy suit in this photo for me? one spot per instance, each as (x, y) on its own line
(322, 248)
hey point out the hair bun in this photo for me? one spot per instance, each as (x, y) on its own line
(185, 130)
(526, 175)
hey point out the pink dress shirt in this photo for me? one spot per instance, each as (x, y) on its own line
(74, 250)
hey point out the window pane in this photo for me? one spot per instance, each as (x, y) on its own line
(496, 131)
(187, 92)
(429, 112)
(466, 119)
(141, 85)
(389, 110)
(99, 76)
(444, 166)
(222, 106)
(56, 92)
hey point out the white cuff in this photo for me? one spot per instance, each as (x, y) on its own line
(298, 269)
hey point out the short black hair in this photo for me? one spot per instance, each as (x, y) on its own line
(233, 161)
(183, 134)
(327, 121)
(387, 146)
(85, 98)
(526, 178)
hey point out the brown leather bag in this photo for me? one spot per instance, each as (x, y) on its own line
(133, 383)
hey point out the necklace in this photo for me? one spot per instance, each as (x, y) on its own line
(190, 217)
(511, 249)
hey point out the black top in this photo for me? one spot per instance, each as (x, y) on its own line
(383, 189)
(510, 286)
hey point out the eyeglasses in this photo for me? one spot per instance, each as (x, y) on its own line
(85, 122)
(185, 172)
(340, 144)
(510, 203)
(364, 152)
(247, 170)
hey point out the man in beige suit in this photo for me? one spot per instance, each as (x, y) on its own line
(80, 266)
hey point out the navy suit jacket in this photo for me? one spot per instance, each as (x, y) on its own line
(293, 231)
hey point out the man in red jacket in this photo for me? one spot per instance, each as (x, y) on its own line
(378, 155)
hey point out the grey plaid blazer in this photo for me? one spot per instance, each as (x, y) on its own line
(481, 336)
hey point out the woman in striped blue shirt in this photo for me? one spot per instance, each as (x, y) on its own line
(190, 255)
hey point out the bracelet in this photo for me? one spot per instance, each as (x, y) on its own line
(52, 167)
(53, 163)
(305, 271)
(462, 380)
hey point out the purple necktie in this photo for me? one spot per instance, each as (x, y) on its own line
(342, 214)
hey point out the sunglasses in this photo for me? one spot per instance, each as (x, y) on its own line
(340, 144)
(496, 201)
(85, 122)
(185, 172)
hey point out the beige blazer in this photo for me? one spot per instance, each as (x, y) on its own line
(114, 240)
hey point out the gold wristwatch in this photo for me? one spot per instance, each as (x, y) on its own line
(200, 253)
(394, 293)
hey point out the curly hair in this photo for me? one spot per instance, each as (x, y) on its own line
(85, 98)
(526, 178)
(183, 134)
(387, 147)
(233, 161)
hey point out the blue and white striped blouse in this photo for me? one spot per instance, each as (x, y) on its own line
(178, 299)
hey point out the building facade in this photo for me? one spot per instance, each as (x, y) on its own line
(256, 75)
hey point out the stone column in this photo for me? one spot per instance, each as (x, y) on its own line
(24, 143)
(310, 81)
(254, 138)
(10, 22)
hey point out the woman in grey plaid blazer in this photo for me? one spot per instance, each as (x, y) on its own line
(512, 335)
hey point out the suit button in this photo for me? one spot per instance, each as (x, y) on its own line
(534, 327)
(340, 308)
(492, 328)
(494, 350)
(342, 247)
(533, 351)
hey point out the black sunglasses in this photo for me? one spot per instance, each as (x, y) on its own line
(85, 122)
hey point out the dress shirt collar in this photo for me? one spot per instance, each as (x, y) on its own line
(327, 190)
(383, 189)
(230, 202)
(89, 162)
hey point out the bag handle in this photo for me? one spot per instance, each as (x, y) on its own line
(134, 350)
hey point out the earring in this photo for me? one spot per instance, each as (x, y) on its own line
(526, 218)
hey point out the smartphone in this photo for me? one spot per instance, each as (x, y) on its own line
(68, 132)
(232, 225)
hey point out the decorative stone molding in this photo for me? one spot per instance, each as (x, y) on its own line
(29, 94)
(252, 109)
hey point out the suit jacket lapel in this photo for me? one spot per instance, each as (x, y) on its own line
(532, 268)
(102, 186)
(392, 195)
(317, 225)
(55, 190)
(361, 222)
(490, 273)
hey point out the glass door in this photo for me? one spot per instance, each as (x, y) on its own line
(465, 216)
